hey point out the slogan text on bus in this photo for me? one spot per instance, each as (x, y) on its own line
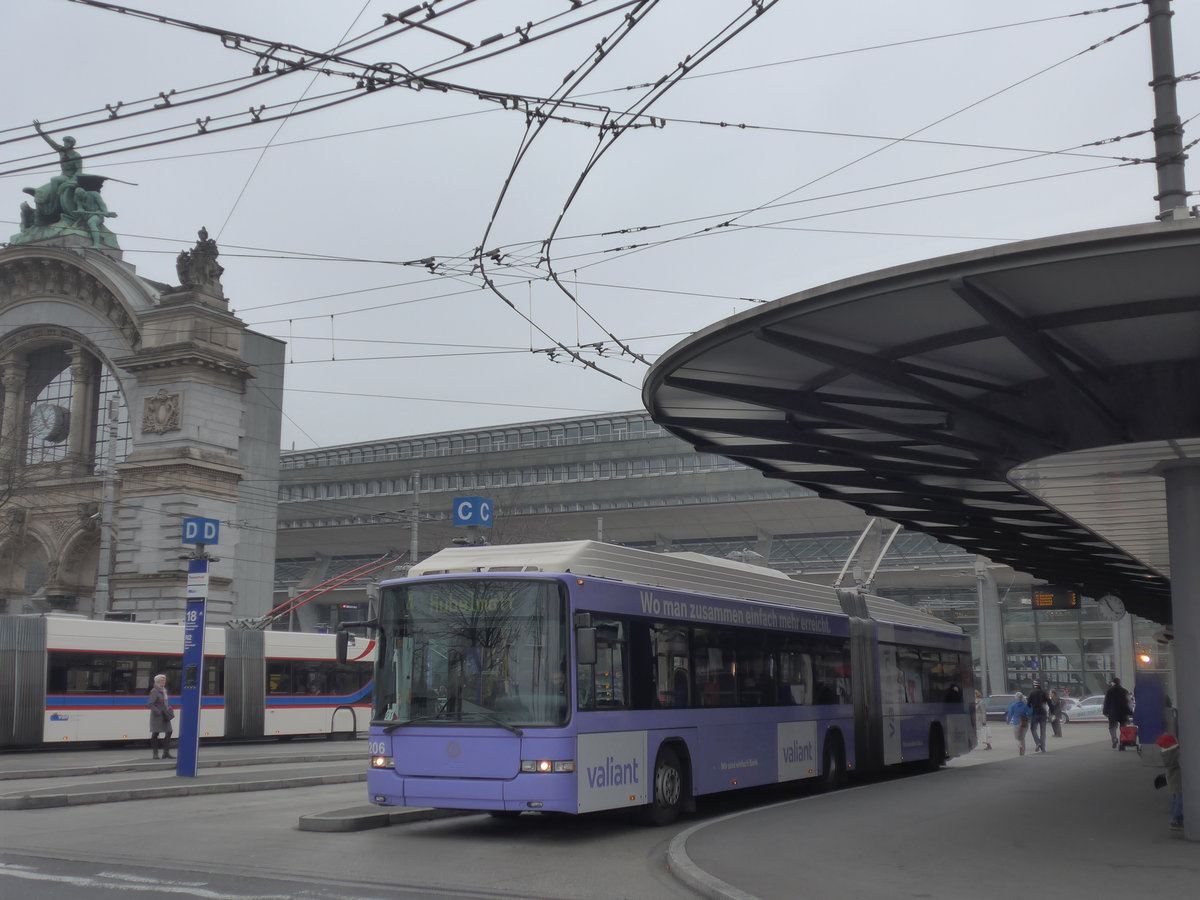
(710, 612)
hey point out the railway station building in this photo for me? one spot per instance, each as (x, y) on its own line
(352, 514)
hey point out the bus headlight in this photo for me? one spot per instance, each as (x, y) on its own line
(382, 762)
(547, 766)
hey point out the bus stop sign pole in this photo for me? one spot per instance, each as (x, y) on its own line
(199, 532)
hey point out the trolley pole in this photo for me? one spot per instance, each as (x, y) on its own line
(414, 544)
(199, 532)
(1168, 128)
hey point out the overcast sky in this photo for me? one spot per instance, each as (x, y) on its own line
(811, 143)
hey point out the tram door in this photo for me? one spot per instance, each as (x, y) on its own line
(245, 684)
(22, 680)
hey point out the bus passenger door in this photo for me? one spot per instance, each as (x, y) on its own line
(868, 719)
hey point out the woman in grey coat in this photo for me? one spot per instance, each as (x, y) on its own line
(161, 715)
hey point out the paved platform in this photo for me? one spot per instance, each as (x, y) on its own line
(1080, 822)
(81, 775)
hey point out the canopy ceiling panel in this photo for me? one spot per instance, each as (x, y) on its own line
(953, 396)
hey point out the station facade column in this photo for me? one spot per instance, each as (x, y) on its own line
(1183, 522)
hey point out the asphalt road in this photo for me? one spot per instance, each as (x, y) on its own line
(1081, 821)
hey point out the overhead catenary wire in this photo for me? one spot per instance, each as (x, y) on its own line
(1124, 31)
(611, 135)
(613, 251)
(534, 126)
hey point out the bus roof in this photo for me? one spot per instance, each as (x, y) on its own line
(689, 572)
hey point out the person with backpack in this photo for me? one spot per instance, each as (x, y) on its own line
(1018, 717)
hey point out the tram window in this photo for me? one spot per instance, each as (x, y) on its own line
(144, 672)
(348, 678)
(279, 677)
(124, 677)
(79, 673)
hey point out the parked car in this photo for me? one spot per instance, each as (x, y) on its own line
(1091, 710)
(998, 704)
(1099, 699)
(1066, 708)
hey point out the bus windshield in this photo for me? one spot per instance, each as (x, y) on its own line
(480, 651)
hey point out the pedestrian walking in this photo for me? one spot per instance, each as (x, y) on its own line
(161, 715)
(1039, 705)
(983, 731)
(1116, 709)
(1056, 713)
(1018, 717)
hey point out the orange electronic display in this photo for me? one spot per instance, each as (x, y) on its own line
(1053, 597)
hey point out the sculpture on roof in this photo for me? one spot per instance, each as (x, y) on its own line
(69, 203)
(198, 268)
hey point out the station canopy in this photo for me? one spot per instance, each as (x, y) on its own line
(1015, 401)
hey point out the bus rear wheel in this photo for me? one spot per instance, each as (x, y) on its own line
(669, 790)
(833, 770)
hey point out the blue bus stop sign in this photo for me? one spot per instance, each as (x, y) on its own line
(473, 511)
(190, 690)
(201, 531)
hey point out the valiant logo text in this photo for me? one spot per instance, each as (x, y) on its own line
(797, 749)
(611, 772)
(798, 753)
(669, 607)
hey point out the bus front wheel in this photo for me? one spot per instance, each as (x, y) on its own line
(669, 790)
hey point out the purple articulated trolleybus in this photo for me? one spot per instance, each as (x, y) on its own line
(579, 676)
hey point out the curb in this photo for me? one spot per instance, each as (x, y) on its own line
(85, 798)
(361, 818)
(156, 765)
(691, 875)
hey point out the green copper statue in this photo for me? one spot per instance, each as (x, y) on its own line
(70, 203)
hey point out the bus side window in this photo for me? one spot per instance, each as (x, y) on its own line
(713, 659)
(756, 682)
(643, 678)
(585, 687)
(796, 677)
(608, 680)
(672, 679)
(911, 677)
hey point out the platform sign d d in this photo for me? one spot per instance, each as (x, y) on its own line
(201, 531)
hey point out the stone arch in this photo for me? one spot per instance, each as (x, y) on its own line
(102, 286)
(78, 329)
(78, 556)
(26, 569)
